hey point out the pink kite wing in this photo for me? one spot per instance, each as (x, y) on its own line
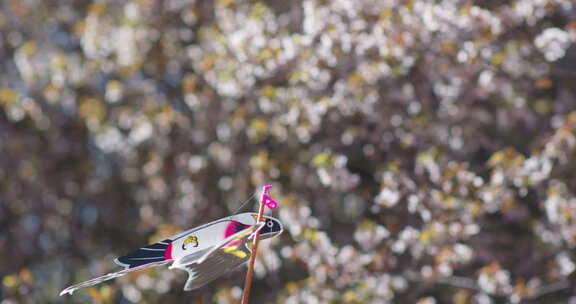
(111, 276)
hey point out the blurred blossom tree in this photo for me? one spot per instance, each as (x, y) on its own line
(422, 151)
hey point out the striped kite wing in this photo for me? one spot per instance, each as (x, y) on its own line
(156, 254)
(153, 253)
(111, 276)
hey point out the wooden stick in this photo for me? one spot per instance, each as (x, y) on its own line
(250, 273)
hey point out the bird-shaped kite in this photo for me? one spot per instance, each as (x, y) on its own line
(205, 252)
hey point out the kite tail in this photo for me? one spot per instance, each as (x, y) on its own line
(156, 252)
(110, 276)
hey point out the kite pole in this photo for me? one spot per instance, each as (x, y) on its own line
(264, 200)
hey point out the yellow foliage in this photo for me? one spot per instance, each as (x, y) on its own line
(260, 161)
(225, 3)
(208, 62)
(520, 288)
(350, 297)
(448, 47)
(572, 118)
(58, 62)
(465, 9)
(322, 160)
(97, 9)
(259, 10)
(462, 296)
(258, 130)
(567, 214)
(102, 295)
(292, 287)
(355, 80)
(542, 106)
(449, 201)
(10, 281)
(107, 293)
(311, 234)
(28, 49)
(92, 109)
(190, 84)
(427, 235)
(386, 15)
(498, 59)
(269, 92)
(444, 255)
(8, 96)
(476, 208)
(366, 225)
(93, 293)
(265, 54)
(297, 76)
(26, 276)
(508, 158)
(260, 126)
(114, 90)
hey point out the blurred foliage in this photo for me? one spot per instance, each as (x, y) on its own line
(422, 151)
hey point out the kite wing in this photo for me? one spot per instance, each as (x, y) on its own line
(216, 261)
(203, 266)
(111, 276)
(156, 254)
(153, 253)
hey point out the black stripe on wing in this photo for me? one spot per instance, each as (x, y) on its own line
(148, 254)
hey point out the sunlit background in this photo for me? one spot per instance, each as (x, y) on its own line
(421, 151)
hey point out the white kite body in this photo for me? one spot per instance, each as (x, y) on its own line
(209, 235)
(205, 252)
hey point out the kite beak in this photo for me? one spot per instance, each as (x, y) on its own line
(272, 227)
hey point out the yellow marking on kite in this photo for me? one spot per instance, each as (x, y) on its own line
(232, 250)
(255, 217)
(190, 240)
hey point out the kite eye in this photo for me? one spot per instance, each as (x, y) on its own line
(270, 224)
